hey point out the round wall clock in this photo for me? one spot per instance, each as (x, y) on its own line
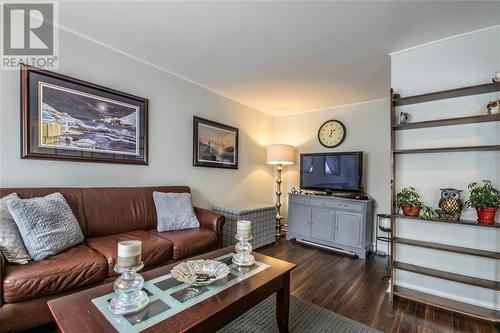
(332, 133)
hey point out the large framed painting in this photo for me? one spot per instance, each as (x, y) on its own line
(214, 144)
(68, 119)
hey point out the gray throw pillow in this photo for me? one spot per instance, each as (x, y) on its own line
(47, 225)
(11, 243)
(175, 211)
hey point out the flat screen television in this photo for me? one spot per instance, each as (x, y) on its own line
(332, 172)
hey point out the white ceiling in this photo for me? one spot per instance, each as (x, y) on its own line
(279, 57)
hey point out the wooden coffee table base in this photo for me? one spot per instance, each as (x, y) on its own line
(77, 313)
(283, 304)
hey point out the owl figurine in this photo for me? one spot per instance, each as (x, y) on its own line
(450, 204)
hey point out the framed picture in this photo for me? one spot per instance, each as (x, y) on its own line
(214, 144)
(68, 119)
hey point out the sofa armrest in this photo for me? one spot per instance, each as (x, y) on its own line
(212, 221)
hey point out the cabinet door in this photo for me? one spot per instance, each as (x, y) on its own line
(348, 229)
(322, 224)
(299, 220)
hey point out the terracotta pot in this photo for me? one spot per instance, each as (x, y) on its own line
(486, 215)
(411, 211)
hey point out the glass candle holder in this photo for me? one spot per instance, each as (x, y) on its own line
(243, 249)
(129, 296)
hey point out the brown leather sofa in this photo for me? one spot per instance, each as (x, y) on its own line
(106, 216)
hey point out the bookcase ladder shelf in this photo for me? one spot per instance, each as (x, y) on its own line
(472, 223)
(483, 313)
(447, 149)
(465, 279)
(449, 122)
(449, 248)
(467, 309)
(445, 94)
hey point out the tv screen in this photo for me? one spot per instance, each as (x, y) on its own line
(332, 171)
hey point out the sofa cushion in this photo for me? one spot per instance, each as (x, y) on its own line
(175, 211)
(73, 196)
(188, 243)
(47, 225)
(11, 242)
(72, 269)
(155, 250)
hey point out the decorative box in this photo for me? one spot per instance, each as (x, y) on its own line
(262, 216)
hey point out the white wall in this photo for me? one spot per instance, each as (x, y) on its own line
(172, 104)
(367, 127)
(466, 60)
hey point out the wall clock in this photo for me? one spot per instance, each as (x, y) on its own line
(332, 133)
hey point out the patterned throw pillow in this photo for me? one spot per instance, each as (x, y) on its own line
(47, 225)
(175, 211)
(11, 243)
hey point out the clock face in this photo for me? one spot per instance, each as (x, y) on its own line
(332, 133)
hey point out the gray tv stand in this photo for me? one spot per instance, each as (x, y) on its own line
(332, 222)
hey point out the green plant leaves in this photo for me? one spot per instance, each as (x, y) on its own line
(408, 197)
(428, 213)
(483, 196)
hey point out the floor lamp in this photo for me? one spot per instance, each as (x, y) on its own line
(279, 155)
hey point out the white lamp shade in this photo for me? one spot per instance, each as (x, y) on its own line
(280, 154)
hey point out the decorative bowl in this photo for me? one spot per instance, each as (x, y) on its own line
(199, 272)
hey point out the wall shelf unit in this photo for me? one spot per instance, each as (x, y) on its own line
(447, 149)
(445, 94)
(449, 122)
(464, 222)
(465, 279)
(448, 248)
(448, 304)
(415, 295)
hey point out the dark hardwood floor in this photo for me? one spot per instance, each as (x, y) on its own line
(354, 288)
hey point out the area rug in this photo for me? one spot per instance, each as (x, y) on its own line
(304, 317)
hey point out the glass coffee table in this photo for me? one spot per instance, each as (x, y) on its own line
(177, 307)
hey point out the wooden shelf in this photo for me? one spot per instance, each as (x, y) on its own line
(445, 94)
(449, 248)
(440, 302)
(447, 149)
(448, 304)
(464, 222)
(470, 280)
(449, 122)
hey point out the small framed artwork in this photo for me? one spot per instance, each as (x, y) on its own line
(214, 144)
(68, 119)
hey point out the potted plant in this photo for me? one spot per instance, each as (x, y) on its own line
(486, 200)
(409, 200)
